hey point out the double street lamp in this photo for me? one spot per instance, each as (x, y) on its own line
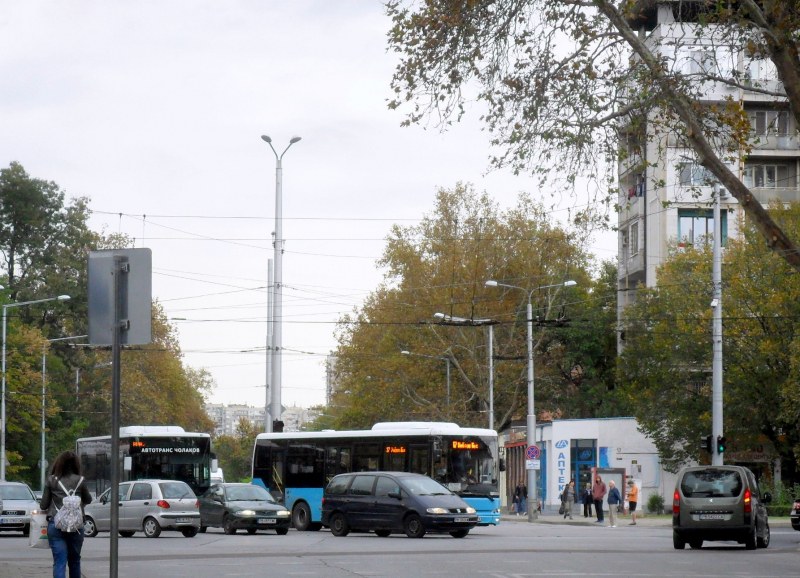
(277, 285)
(533, 501)
(43, 462)
(6, 307)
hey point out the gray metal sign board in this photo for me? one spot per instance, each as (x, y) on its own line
(136, 288)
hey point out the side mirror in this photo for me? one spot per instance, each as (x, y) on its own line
(127, 463)
(502, 464)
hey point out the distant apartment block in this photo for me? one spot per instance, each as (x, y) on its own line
(227, 417)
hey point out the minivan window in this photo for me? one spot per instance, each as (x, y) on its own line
(711, 483)
(362, 485)
(386, 486)
(338, 485)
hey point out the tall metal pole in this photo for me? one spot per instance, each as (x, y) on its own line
(491, 377)
(3, 425)
(43, 461)
(270, 321)
(447, 361)
(3, 409)
(277, 305)
(717, 459)
(533, 501)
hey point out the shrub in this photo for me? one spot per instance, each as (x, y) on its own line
(655, 504)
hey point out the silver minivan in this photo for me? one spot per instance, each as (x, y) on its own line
(719, 503)
(148, 506)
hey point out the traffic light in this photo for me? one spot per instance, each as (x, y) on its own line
(277, 426)
(721, 443)
(705, 443)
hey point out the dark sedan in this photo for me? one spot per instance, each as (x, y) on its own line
(242, 506)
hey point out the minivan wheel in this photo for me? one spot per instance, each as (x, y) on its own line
(339, 525)
(413, 526)
(189, 532)
(151, 528)
(750, 539)
(89, 528)
(459, 533)
(383, 533)
(763, 541)
(677, 542)
(301, 517)
(695, 544)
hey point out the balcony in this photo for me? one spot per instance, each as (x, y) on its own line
(782, 194)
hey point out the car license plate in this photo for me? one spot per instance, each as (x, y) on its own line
(183, 521)
(266, 520)
(12, 521)
(712, 516)
(462, 520)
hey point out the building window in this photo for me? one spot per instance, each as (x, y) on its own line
(696, 227)
(633, 239)
(694, 175)
(769, 122)
(767, 176)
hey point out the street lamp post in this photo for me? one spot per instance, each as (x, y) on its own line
(440, 358)
(450, 319)
(277, 302)
(6, 307)
(533, 500)
(42, 464)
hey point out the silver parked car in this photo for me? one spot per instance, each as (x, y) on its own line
(148, 506)
(719, 503)
(16, 503)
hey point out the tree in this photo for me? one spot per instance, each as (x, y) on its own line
(560, 78)
(441, 266)
(235, 452)
(665, 365)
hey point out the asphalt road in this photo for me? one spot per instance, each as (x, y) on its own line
(550, 547)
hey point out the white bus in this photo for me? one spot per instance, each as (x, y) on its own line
(149, 452)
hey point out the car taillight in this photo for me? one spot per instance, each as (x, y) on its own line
(676, 503)
(197, 504)
(748, 501)
(162, 504)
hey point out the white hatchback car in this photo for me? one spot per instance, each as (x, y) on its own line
(148, 506)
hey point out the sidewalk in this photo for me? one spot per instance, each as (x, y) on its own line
(551, 516)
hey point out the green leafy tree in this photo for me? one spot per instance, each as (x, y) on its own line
(560, 80)
(235, 452)
(665, 367)
(441, 266)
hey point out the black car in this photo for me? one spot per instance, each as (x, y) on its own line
(794, 515)
(242, 506)
(386, 502)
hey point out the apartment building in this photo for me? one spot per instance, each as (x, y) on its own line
(666, 199)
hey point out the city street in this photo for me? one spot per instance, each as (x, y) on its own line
(514, 549)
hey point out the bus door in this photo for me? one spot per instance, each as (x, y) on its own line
(419, 461)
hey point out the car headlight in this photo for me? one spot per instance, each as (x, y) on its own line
(470, 510)
(283, 514)
(437, 510)
(246, 513)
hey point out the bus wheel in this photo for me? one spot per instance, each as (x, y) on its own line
(301, 517)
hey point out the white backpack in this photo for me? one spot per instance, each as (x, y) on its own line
(70, 517)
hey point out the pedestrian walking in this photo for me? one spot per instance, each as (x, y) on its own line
(586, 498)
(614, 500)
(65, 479)
(633, 499)
(568, 498)
(598, 493)
(522, 497)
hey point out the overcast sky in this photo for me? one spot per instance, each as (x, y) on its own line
(154, 110)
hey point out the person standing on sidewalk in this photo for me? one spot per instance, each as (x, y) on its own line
(598, 493)
(568, 498)
(614, 500)
(586, 498)
(633, 499)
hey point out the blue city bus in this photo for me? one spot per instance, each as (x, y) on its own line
(295, 467)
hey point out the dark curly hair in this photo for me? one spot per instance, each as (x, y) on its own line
(66, 463)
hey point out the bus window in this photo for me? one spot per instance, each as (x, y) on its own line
(419, 460)
(367, 457)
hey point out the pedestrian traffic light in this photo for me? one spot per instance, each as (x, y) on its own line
(721, 443)
(705, 443)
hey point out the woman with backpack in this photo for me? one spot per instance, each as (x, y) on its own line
(65, 479)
